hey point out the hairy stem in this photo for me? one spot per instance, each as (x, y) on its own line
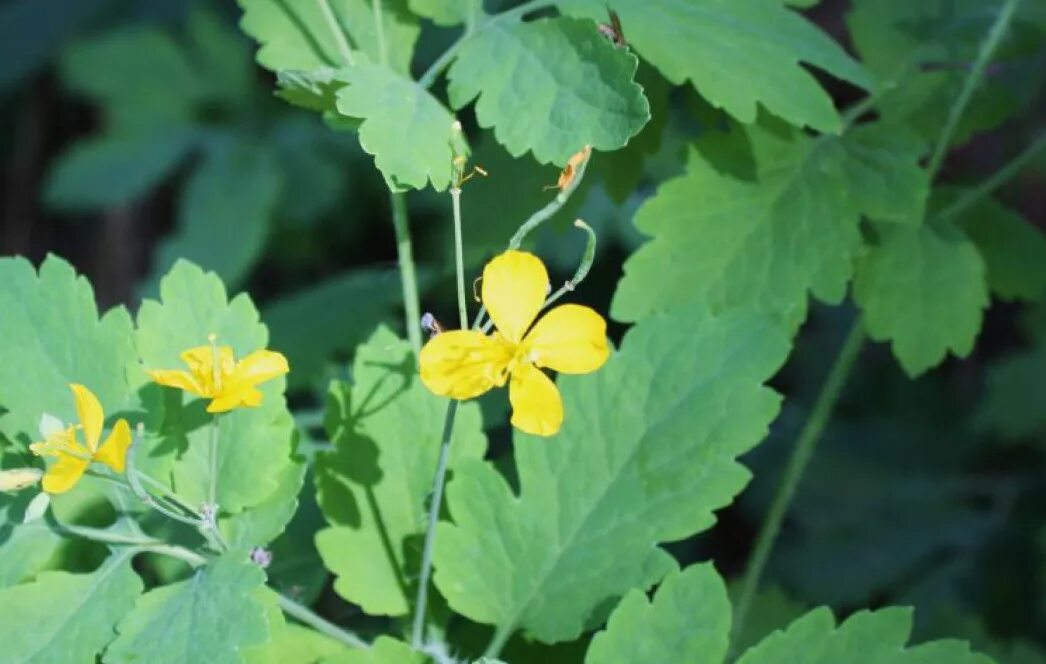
(991, 41)
(793, 473)
(408, 277)
(993, 182)
(336, 32)
(306, 616)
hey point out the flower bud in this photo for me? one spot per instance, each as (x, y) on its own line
(17, 479)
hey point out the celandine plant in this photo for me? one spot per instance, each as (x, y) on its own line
(558, 552)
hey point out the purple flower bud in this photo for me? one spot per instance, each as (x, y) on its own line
(261, 557)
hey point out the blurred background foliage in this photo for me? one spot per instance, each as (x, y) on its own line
(140, 131)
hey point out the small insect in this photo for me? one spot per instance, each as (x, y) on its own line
(612, 30)
(570, 171)
(431, 325)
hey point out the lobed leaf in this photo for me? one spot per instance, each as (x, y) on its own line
(550, 86)
(633, 466)
(372, 488)
(923, 289)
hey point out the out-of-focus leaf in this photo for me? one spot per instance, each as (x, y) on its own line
(372, 487)
(596, 499)
(32, 30)
(1014, 405)
(225, 212)
(922, 289)
(550, 86)
(112, 170)
(223, 57)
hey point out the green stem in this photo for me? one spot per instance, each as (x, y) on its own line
(304, 615)
(793, 473)
(441, 63)
(337, 32)
(988, 47)
(552, 208)
(212, 489)
(459, 259)
(418, 632)
(181, 553)
(408, 278)
(99, 535)
(996, 180)
(379, 32)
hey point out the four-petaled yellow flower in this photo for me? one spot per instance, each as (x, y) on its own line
(227, 383)
(73, 457)
(570, 338)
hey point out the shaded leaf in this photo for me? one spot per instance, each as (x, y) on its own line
(447, 12)
(1014, 405)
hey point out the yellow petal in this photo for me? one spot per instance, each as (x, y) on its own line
(90, 413)
(569, 339)
(201, 365)
(227, 401)
(536, 405)
(113, 451)
(64, 473)
(182, 380)
(258, 367)
(462, 364)
(514, 288)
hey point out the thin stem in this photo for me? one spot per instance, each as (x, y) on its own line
(441, 63)
(988, 47)
(181, 553)
(501, 636)
(379, 31)
(99, 535)
(303, 614)
(212, 489)
(793, 473)
(996, 180)
(408, 279)
(418, 632)
(552, 208)
(463, 316)
(337, 32)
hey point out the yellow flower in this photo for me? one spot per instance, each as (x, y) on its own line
(73, 457)
(228, 384)
(569, 339)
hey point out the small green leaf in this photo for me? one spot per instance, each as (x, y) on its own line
(373, 486)
(688, 620)
(551, 86)
(254, 444)
(112, 170)
(225, 212)
(595, 500)
(447, 12)
(923, 289)
(62, 617)
(866, 637)
(53, 337)
(738, 54)
(210, 616)
(411, 135)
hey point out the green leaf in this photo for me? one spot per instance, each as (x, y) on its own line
(310, 326)
(111, 170)
(632, 467)
(769, 611)
(25, 548)
(225, 212)
(62, 617)
(294, 643)
(386, 650)
(53, 336)
(295, 35)
(409, 132)
(212, 615)
(447, 12)
(315, 89)
(373, 487)
(764, 241)
(756, 47)
(864, 638)
(1014, 250)
(551, 86)
(687, 620)
(223, 58)
(1014, 405)
(923, 289)
(255, 444)
(266, 521)
(883, 173)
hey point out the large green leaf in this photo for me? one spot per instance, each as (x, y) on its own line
(296, 35)
(550, 86)
(225, 212)
(865, 638)
(210, 617)
(62, 617)
(114, 169)
(688, 620)
(372, 488)
(254, 449)
(52, 337)
(738, 54)
(728, 233)
(410, 133)
(646, 454)
(923, 289)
